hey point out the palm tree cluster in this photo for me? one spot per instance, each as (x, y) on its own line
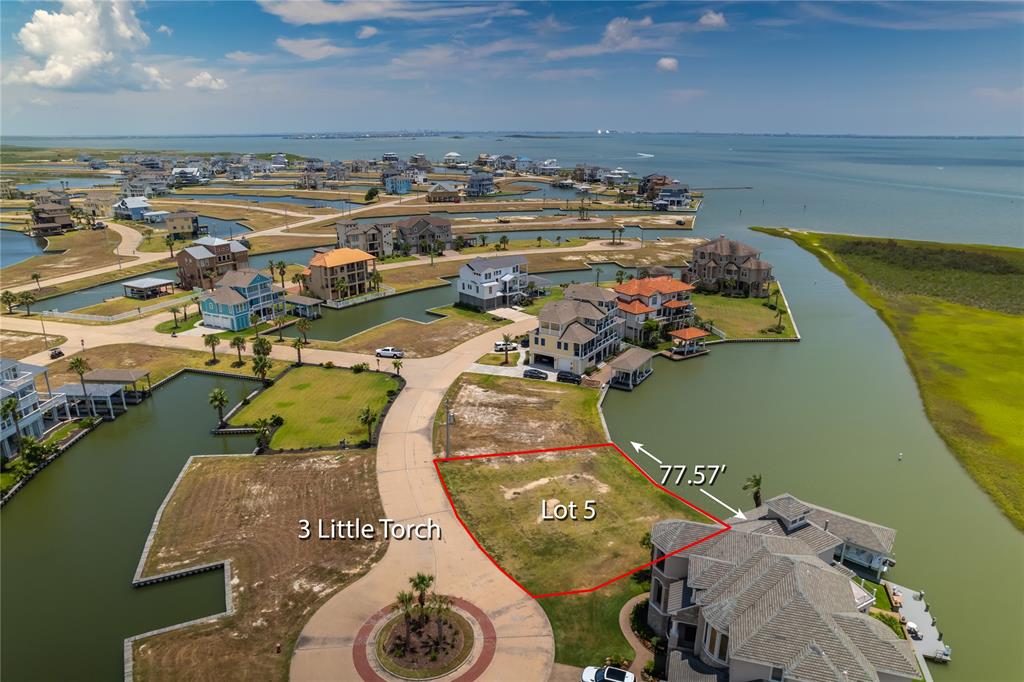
(419, 605)
(261, 357)
(26, 299)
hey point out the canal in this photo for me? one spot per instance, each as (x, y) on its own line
(16, 246)
(73, 537)
(825, 419)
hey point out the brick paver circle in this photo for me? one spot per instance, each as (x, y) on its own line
(360, 657)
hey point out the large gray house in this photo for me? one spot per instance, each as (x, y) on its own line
(728, 265)
(771, 599)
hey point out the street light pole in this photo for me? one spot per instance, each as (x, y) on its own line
(447, 428)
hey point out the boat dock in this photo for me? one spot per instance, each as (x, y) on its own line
(927, 642)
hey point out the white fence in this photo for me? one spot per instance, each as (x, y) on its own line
(364, 298)
(127, 315)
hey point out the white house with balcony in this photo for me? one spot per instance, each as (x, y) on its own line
(37, 412)
(489, 283)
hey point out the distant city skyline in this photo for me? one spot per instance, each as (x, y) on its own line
(92, 68)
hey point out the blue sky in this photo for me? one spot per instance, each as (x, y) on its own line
(165, 67)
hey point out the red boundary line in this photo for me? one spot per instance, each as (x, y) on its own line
(437, 467)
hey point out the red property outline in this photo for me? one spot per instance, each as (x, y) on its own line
(437, 467)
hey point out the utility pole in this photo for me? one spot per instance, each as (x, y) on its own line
(46, 343)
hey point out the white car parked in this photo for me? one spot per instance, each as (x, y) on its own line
(390, 352)
(501, 346)
(606, 674)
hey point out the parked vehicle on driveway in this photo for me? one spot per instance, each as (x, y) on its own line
(390, 352)
(56, 353)
(535, 374)
(501, 346)
(606, 674)
(567, 377)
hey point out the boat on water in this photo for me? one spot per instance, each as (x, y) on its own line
(646, 156)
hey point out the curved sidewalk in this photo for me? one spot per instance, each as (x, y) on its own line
(410, 490)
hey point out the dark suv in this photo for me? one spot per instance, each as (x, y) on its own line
(534, 374)
(567, 377)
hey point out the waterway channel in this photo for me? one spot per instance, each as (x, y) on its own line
(73, 537)
(16, 246)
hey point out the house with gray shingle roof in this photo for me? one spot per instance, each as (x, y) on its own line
(489, 283)
(579, 331)
(769, 601)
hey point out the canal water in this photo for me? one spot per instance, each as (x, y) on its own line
(339, 204)
(17, 246)
(73, 537)
(74, 182)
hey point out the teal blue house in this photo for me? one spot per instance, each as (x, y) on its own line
(237, 295)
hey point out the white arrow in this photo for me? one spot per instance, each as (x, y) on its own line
(736, 512)
(639, 447)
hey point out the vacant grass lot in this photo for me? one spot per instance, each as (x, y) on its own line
(498, 359)
(743, 318)
(503, 414)
(320, 406)
(501, 501)
(16, 344)
(424, 339)
(121, 304)
(246, 509)
(65, 255)
(965, 358)
(161, 362)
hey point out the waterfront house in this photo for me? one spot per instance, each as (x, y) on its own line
(182, 224)
(397, 184)
(99, 204)
(674, 196)
(769, 600)
(549, 167)
(280, 160)
(145, 184)
(236, 296)
(663, 299)
(480, 185)
(415, 175)
(154, 217)
(452, 158)
(421, 162)
(730, 266)
(37, 412)
(131, 208)
(489, 283)
(376, 239)
(208, 259)
(340, 273)
(443, 192)
(338, 172)
(308, 180)
(579, 331)
(630, 367)
(238, 171)
(49, 196)
(314, 165)
(188, 176)
(650, 185)
(50, 219)
(418, 233)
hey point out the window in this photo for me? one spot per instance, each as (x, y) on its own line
(776, 675)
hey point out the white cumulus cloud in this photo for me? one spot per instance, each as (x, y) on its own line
(321, 12)
(312, 49)
(712, 19)
(367, 32)
(165, 29)
(668, 64)
(85, 45)
(243, 57)
(204, 80)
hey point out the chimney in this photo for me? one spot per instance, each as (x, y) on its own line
(826, 524)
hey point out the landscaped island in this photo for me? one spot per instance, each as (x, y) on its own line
(957, 312)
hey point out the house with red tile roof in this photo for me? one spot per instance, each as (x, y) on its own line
(663, 299)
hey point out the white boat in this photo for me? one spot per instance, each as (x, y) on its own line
(646, 156)
(583, 188)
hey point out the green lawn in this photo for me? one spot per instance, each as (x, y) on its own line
(320, 406)
(554, 294)
(881, 596)
(742, 317)
(186, 323)
(586, 626)
(7, 480)
(956, 311)
(498, 359)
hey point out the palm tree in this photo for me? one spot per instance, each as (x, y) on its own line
(218, 401)
(9, 299)
(405, 600)
(35, 278)
(538, 241)
(303, 326)
(620, 275)
(174, 311)
(297, 345)
(80, 366)
(169, 241)
(753, 486)
(300, 279)
(282, 268)
(483, 240)
(421, 584)
(261, 346)
(261, 366)
(367, 417)
(262, 426)
(211, 341)
(397, 364)
(9, 408)
(254, 319)
(238, 343)
(376, 279)
(558, 240)
(614, 230)
(506, 339)
(622, 231)
(780, 311)
(504, 242)
(441, 607)
(26, 299)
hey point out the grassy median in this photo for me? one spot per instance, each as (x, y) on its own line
(424, 339)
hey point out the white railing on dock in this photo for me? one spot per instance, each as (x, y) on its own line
(362, 298)
(127, 315)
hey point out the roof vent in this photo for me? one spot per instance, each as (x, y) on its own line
(826, 524)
